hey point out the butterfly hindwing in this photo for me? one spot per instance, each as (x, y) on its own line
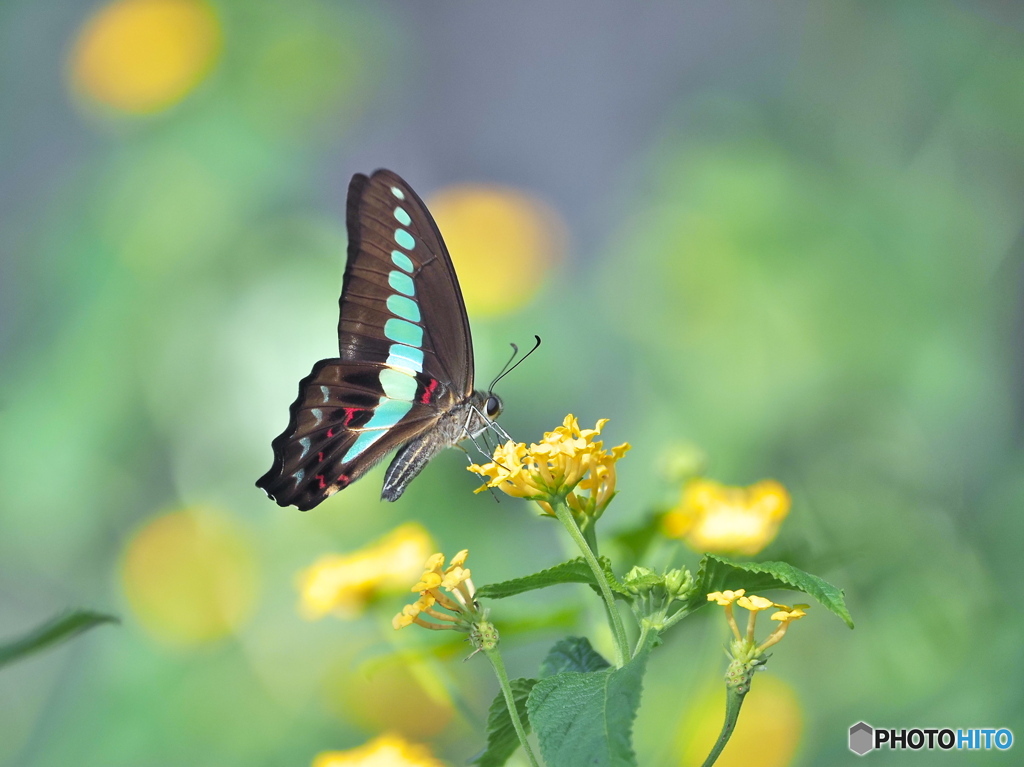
(343, 423)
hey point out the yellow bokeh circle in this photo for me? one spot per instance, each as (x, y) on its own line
(190, 576)
(503, 243)
(767, 733)
(394, 693)
(141, 56)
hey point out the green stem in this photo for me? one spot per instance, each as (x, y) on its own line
(733, 700)
(499, 670)
(590, 536)
(641, 641)
(565, 517)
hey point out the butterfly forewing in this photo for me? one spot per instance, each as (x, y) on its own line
(398, 275)
(405, 353)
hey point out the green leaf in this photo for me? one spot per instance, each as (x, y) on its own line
(587, 718)
(573, 571)
(572, 654)
(54, 631)
(502, 740)
(718, 574)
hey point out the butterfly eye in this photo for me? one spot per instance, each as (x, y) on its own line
(492, 406)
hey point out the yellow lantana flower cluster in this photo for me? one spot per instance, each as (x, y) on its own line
(714, 518)
(455, 579)
(755, 604)
(347, 583)
(567, 463)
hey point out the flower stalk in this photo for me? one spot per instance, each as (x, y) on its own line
(565, 516)
(506, 688)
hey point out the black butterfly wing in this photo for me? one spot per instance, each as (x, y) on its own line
(341, 426)
(406, 355)
(400, 285)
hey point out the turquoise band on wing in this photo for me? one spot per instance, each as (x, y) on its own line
(403, 307)
(397, 385)
(397, 193)
(402, 216)
(387, 413)
(363, 441)
(402, 356)
(404, 239)
(404, 332)
(401, 282)
(402, 261)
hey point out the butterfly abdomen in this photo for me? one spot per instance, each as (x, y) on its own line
(463, 420)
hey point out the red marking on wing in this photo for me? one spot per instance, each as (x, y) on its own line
(344, 479)
(320, 456)
(330, 432)
(320, 479)
(428, 393)
(350, 413)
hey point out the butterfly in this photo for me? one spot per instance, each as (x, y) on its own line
(403, 377)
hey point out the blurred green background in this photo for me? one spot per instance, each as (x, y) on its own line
(787, 233)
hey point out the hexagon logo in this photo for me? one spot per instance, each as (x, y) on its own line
(862, 737)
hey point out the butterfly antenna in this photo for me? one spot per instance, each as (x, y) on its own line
(509, 367)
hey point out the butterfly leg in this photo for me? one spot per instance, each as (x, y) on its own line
(492, 425)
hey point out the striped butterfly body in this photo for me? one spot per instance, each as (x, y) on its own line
(403, 377)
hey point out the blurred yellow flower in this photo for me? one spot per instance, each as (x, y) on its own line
(346, 583)
(455, 579)
(567, 462)
(503, 243)
(385, 751)
(189, 576)
(141, 56)
(767, 734)
(728, 520)
(404, 693)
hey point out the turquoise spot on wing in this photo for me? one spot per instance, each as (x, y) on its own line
(402, 261)
(404, 307)
(402, 216)
(404, 239)
(397, 386)
(305, 443)
(404, 332)
(363, 441)
(402, 356)
(318, 414)
(401, 282)
(397, 193)
(326, 392)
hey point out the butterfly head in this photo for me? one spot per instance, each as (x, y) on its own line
(493, 406)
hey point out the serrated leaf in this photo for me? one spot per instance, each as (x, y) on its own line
(572, 654)
(573, 571)
(502, 740)
(586, 719)
(54, 631)
(718, 574)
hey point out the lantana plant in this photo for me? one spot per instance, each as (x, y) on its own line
(581, 706)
